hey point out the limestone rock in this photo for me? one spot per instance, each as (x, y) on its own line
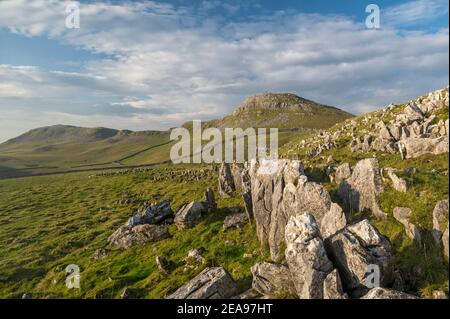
(235, 221)
(445, 241)
(333, 221)
(211, 283)
(194, 257)
(163, 264)
(440, 216)
(402, 214)
(209, 202)
(416, 146)
(383, 293)
(272, 279)
(355, 248)
(343, 172)
(306, 256)
(127, 236)
(332, 286)
(226, 181)
(154, 214)
(189, 215)
(398, 183)
(361, 190)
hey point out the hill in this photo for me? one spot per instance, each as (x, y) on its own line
(281, 110)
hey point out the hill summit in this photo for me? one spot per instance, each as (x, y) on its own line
(281, 110)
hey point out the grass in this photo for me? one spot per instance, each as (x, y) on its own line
(49, 222)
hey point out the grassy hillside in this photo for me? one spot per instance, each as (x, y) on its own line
(49, 222)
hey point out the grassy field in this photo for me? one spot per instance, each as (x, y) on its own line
(49, 222)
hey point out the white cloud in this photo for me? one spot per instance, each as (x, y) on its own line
(414, 12)
(169, 66)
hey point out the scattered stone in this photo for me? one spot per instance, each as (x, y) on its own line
(272, 279)
(155, 214)
(398, 183)
(211, 283)
(361, 190)
(194, 257)
(383, 293)
(163, 264)
(355, 248)
(189, 215)
(332, 286)
(235, 221)
(210, 202)
(126, 236)
(440, 217)
(306, 256)
(402, 214)
(101, 253)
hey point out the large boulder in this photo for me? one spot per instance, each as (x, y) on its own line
(211, 283)
(189, 215)
(127, 236)
(306, 256)
(273, 280)
(360, 192)
(440, 220)
(355, 249)
(403, 214)
(383, 293)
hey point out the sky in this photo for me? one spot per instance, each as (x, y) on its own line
(145, 65)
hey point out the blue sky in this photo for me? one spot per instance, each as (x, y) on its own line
(153, 65)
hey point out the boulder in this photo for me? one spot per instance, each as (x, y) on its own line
(383, 293)
(342, 172)
(399, 184)
(332, 286)
(306, 256)
(127, 236)
(189, 215)
(235, 221)
(194, 257)
(356, 247)
(211, 283)
(402, 214)
(272, 280)
(154, 214)
(226, 181)
(440, 219)
(360, 192)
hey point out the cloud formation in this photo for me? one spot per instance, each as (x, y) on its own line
(169, 64)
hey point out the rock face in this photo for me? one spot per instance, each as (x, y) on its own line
(235, 221)
(383, 293)
(332, 286)
(127, 236)
(189, 215)
(360, 192)
(272, 280)
(402, 214)
(280, 190)
(398, 183)
(355, 248)
(306, 256)
(440, 219)
(414, 147)
(211, 283)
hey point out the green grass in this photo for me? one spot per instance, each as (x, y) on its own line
(49, 222)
